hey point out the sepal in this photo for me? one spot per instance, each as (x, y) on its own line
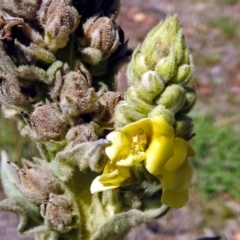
(87, 155)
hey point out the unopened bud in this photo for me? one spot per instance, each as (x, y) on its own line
(161, 111)
(150, 87)
(183, 74)
(125, 114)
(164, 37)
(173, 98)
(183, 127)
(137, 67)
(135, 102)
(166, 68)
(162, 51)
(191, 97)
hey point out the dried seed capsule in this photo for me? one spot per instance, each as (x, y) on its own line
(45, 123)
(24, 8)
(12, 93)
(37, 181)
(101, 38)
(76, 97)
(106, 108)
(59, 19)
(57, 212)
(81, 133)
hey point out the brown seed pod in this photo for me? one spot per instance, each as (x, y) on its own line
(76, 96)
(100, 39)
(59, 19)
(45, 123)
(57, 212)
(37, 181)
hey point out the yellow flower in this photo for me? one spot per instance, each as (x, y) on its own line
(165, 156)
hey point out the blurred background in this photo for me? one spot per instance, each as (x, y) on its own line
(212, 29)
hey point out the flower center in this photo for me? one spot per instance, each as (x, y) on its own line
(139, 142)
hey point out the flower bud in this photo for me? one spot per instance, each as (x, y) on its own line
(59, 20)
(173, 98)
(76, 97)
(162, 51)
(37, 181)
(151, 86)
(161, 111)
(183, 74)
(191, 98)
(135, 102)
(183, 127)
(125, 114)
(137, 67)
(121, 120)
(164, 37)
(101, 38)
(166, 68)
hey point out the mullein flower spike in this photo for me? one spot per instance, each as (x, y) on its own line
(58, 65)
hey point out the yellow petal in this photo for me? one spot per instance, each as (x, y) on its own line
(132, 159)
(97, 186)
(159, 151)
(175, 185)
(190, 151)
(124, 172)
(133, 129)
(161, 127)
(178, 180)
(120, 147)
(174, 199)
(114, 175)
(180, 154)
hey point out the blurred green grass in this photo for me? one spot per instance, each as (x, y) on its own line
(227, 25)
(217, 160)
(228, 2)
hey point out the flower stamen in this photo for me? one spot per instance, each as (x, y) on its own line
(139, 142)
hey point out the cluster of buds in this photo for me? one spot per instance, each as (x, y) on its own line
(158, 76)
(58, 63)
